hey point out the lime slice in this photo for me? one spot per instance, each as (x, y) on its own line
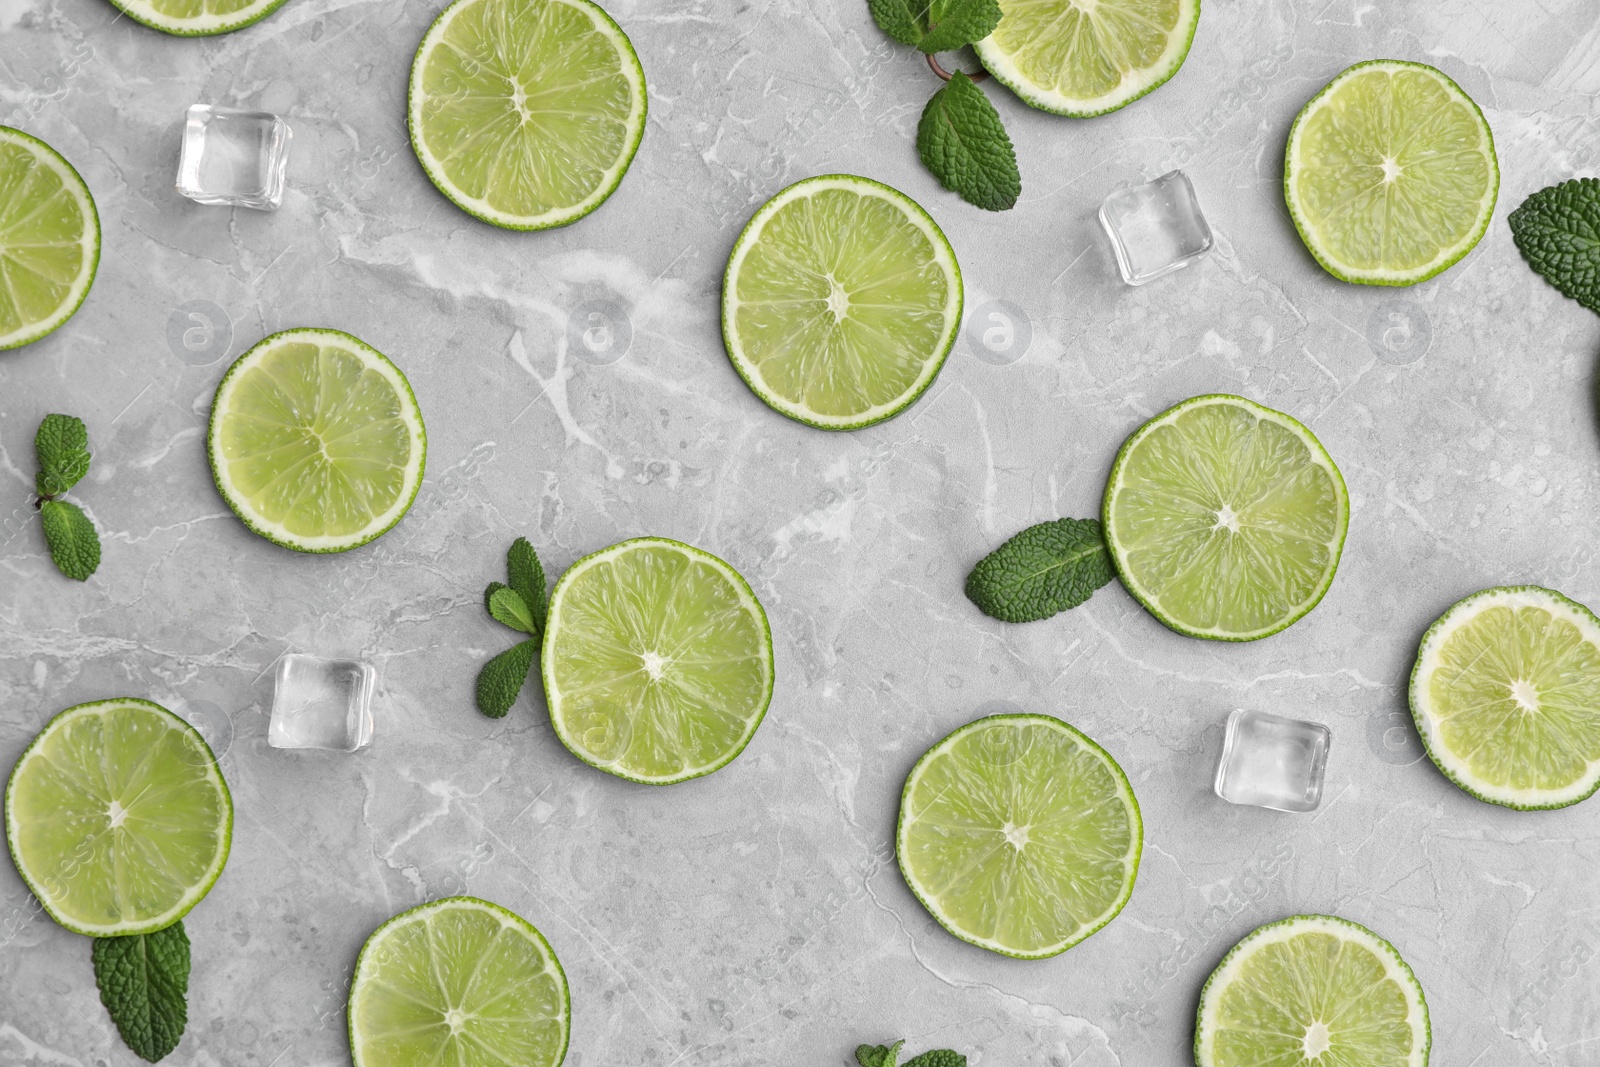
(1312, 991)
(458, 982)
(118, 818)
(316, 441)
(198, 18)
(657, 661)
(1390, 174)
(49, 239)
(1225, 518)
(1019, 834)
(1084, 59)
(840, 302)
(1506, 694)
(526, 113)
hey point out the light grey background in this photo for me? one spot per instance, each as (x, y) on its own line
(756, 916)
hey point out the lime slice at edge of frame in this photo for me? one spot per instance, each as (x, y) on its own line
(49, 239)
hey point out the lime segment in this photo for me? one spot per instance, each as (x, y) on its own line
(840, 302)
(1390, 174)
(458, 982)
(1312, 991)
(118, 818)
(526, 113)
(316, 441)
(1225, 518)
(1019, 834)
(49, 239)
(1506, 696)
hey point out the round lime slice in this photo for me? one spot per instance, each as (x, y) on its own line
(316, 441)
(49, 239)
(1225, 518)
(1019, 834)
(657, 661)
(526, 113)
(1312, 991)
(458, 982)
(1390, 174)
(198, 18)
(840, 302)
(118, 818)
(1084, 59)
(1506, 694)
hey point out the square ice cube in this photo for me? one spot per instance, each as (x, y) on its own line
(233, 158)
(321, 703)
(1273, 762)
(1155, 228)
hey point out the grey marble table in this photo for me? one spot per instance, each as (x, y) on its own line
(756, 916)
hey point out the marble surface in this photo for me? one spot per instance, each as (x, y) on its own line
(757, 916)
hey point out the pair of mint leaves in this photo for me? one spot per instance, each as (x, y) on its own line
(888, 1055)
(62, 448)
(144, 984)
(522, 602)
(960, 137)
(1557, 230)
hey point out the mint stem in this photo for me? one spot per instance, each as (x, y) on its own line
(933, 64)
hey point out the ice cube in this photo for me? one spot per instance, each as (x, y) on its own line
(1155, 228)
(233, 158)
(321, 703)
(1273, 762)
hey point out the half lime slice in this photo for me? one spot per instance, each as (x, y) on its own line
(526, 113)
(49, 239)
(1084, 59)
(1312, 991)
(1390, 174)
(458, 982)
(1019, 834)
(316, 441)
(198, 18)
(1506, 695)
(657, 661)
(118, 818)
(840, 302)
(1225, 518)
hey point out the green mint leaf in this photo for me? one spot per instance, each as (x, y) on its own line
(143, 983)
(958, 23)
(74, 544)
(1557, 230)
(501, 678)
(961, 140)
(527, 578)
(507, 606)
(878, 1055)
(488, 595)
(62, 445)
(939, 1057)
(904, 20)
(1041, 571)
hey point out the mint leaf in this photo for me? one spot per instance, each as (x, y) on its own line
(901, 19)
(507, 606)
(956, 23)
(962, 141)
(527, 578)
(1041, 571)
(62, 445)
(488, 595)
(143, 983)
(878, 1055)
(939, 1057)
(501, 678)
(74, 544)
(1557, 230)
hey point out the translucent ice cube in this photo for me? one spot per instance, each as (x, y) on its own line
(1155, 228)
(1273, 762)
(321, 703)
(233, 158)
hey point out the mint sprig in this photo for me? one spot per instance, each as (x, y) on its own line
(521, 605)
(1557, 230)
(888, 1055)
(937, 26)
(963, 142)
(144, 984)
(1042, 571)
(61, 446)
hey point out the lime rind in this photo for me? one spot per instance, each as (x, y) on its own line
(1395, 968)
(477, 207)
(202, 26)
(72, 181)
(1447, 257)
(420, 913)
(412, 412)
(1124, 792)
(1006, 71)
(1318, 452)
(943, 253)
(193, 895)
(1428, 721)
(547, 657)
